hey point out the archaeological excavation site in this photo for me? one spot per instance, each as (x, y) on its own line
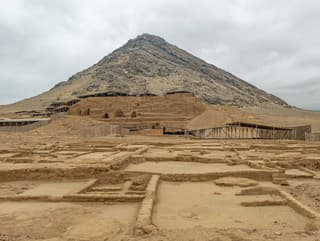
(154, 144)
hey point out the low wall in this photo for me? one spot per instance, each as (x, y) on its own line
(25, 127)
(259, 175)
(289, 199)
(144, 218)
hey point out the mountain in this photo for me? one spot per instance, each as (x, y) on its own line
(149, 64)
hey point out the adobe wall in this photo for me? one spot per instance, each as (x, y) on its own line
(167, 107)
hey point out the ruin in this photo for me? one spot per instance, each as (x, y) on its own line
(134, 165)
(209, 157)
(151, 186)
(141, 170)
(59, 107)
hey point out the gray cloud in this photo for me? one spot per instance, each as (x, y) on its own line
(271, 44)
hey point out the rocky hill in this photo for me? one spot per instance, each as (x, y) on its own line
(149, 64)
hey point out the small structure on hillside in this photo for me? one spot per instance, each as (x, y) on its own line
(180, 92)
(147, 94)
(60, 106)
(103, 94)
(34, 113)
(72, 102)
(26, 112)
(61, 109)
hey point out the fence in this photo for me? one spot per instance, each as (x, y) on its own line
(241, 133)
(103, 130)
(312, 136)
(251, 131)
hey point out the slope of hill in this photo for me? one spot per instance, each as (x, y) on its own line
(277, 116)
(149, 64)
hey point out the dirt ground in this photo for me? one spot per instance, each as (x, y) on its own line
(97, 189)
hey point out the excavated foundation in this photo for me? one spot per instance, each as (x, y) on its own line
(137, 189)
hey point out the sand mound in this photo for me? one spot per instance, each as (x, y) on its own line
(62, 129)
(75, 126)
(279, 116)
(216, 116)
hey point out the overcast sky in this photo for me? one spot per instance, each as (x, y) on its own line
(273, 44)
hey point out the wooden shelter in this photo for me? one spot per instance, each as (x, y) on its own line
(243, 130)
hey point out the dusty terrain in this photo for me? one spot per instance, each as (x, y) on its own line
(54, 188)
(81, 177)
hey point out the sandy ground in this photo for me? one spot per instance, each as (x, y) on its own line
(46, 193)
(205, 204)
(307, 191)
(65, 221)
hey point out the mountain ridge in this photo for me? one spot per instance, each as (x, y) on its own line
(149, 64)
